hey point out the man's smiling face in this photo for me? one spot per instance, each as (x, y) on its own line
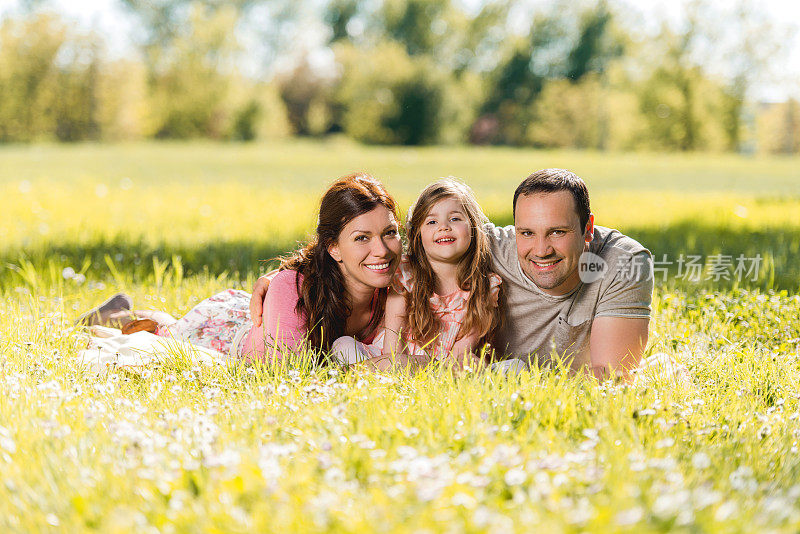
(550, 240)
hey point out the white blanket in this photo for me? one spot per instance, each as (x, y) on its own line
(109, 347)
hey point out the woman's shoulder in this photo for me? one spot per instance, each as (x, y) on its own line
(495, 280)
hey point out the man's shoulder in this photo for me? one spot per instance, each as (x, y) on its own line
(609, 243)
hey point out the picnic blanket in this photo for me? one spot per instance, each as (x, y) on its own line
(109, 347)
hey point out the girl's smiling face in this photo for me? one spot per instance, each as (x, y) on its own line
(446, 232)
(368, 249)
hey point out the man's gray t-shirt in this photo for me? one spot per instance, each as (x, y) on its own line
(537, 325)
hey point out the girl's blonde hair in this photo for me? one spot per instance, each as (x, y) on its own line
(473, 270)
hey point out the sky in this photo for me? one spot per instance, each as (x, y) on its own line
(107, 17)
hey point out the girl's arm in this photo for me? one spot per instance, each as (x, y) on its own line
(395, 322)
(463, 352)
(392, 356)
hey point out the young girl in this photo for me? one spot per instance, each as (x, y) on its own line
(445, 299)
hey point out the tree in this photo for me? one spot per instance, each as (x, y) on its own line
(595, 46)
(48, 80)
(388, 97)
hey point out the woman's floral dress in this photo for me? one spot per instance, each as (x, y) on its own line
(218, 322)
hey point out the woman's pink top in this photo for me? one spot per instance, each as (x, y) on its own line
(283, 328)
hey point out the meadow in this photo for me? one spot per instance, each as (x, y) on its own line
(188, 448)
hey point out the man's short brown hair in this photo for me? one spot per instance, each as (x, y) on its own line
(554, 180)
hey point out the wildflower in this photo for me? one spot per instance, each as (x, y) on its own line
(629, 517)
(703, 498)
(701, 461)
(665, 443)
(6, 443)
(591, 434)
(742, 480)
(515, 477)
(726, 510)
(226, 458)
(669, 504)
(463, 499)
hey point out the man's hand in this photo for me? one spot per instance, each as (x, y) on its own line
(616, 345)
(257, 298)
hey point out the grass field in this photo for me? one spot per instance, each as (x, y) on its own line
(259, 448)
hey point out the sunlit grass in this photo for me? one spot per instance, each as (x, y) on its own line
(187, 447)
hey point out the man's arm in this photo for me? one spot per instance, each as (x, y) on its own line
(257, 297)
(622, 318)
(616, 345)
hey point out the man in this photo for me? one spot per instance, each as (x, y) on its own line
(573, 291)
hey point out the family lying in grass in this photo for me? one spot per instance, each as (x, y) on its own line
(552, 288)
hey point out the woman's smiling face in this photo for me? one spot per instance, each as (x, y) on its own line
(368, 249)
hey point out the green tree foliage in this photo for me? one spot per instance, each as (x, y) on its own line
(191, 51)
(338, 14)
(405, 71)
(513, 105)
(49, 78)
(596, 44)
(389, 98)
(419, 25)
(569, 114)
(28, 76)
(189, 88)
(307, 94)
(123, 107)
(681, 105)
(412, 78)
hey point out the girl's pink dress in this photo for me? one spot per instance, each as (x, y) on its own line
(451, 309)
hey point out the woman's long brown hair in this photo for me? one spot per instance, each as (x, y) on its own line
(323, 297)
(473, 270)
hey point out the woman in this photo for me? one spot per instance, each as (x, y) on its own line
(334, 286)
